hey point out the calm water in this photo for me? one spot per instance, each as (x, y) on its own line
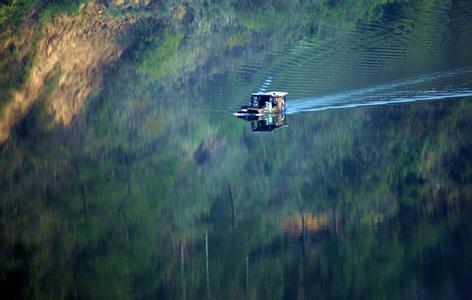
(157, 191)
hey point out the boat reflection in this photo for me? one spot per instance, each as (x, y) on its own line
(266, 123)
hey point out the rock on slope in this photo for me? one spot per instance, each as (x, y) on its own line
(72, 51)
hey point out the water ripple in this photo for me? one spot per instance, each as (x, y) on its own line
(398, 45)
(436, 86)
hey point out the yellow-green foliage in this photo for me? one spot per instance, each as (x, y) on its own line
(155, 61)
(11, 14)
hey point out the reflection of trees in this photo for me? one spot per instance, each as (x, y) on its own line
(125, 216)
(392, 176)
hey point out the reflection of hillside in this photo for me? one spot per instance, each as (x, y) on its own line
(188, 47)
(109, 208)
(68, 65)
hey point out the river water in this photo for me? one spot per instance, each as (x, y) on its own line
(157, 191)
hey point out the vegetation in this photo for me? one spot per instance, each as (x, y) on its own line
(21, 22)
(13, 13)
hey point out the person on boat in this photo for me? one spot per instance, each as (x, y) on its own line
(280, 103)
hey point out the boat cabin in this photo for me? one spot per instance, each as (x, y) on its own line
(268, 101)
(264, 103)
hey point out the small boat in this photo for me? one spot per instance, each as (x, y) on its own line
(264, 103)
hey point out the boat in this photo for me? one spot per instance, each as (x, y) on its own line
(264, 103)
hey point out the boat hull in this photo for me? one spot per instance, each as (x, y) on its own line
(258, 112)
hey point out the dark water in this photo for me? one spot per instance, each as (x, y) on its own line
(158, 191)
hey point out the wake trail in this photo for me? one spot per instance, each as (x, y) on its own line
(436, 86)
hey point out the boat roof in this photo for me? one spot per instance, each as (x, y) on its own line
(272, 93)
